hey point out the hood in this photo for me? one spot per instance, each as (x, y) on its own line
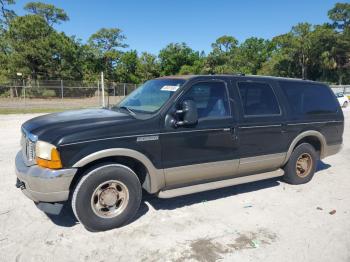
(68, 126)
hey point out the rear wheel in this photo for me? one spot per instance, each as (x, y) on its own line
(301, 165)
(108, 196)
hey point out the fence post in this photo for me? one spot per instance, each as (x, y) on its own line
(98, 92)
(61, 89)
(124, 89)
(103, 90)
(24, 92)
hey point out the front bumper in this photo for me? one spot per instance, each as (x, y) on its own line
(43, 184)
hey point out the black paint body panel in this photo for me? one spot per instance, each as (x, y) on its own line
(82, 132)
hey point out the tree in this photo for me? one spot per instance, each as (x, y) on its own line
(302, 45)
(340, 54)
(251, 54)
(41, 53)
(340, 15)
(174, 56)
(6, 14)
(31, 45)
(51, 14)
(127, 67)
(107, 43)
(197, 68)
(224, 44)
(148, 67)
(221, 59)
(292, 54)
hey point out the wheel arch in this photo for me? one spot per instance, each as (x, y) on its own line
(152, 179)
(313, 137)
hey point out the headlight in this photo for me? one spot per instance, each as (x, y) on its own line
(47, 155)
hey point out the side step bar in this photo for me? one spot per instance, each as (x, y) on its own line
(218, 184)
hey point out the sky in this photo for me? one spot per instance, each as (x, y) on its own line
(150, 25)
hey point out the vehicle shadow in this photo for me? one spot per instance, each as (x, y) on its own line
(322, 166)
(67, 219)
(181, 201)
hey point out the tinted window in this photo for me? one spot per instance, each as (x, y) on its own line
(258, 99)
(309, 98)
(211, 99)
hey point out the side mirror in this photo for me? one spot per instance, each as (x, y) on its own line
(188, 113)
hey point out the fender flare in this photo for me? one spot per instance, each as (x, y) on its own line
(155, 177)
(312, 133)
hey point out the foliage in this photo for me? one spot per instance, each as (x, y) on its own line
(6, 13)
(50, 13)
(340, 15)
(42, 52)
(106, 44)
(29, 44)
(174, 56)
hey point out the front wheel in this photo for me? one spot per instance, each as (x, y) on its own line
(108, 196)
(301, 165)
(345, 104)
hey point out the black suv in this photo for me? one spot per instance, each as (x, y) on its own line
(174, 136)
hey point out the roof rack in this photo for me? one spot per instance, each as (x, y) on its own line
(234, 74)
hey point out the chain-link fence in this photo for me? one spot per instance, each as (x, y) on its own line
(20, 95)
(60, 94)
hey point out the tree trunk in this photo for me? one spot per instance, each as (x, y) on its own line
(11, 92)
(340, 81)
(304, 71)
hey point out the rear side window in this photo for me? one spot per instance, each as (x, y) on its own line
(309, 99)
(258, 99)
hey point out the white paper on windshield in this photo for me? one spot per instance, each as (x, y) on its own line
(170, 88)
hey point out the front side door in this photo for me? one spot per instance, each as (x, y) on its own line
(208, 150)
(262, 130)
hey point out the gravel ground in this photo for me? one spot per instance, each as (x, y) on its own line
(267, 220)
(55, 103)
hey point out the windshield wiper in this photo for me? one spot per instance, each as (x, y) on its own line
(127, 109)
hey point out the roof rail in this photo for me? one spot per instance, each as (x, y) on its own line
(233, 74)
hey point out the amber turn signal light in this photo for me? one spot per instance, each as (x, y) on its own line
(54, 163)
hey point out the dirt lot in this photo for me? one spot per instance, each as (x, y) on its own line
(262, 221)
(28, 105)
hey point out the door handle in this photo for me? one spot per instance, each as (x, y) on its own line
(284, 128)
(234, 133)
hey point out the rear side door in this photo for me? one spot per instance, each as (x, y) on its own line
(208, 150)
(262, 137)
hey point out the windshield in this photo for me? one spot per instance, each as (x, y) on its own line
(151, 96)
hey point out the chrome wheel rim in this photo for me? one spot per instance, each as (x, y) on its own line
(304, 165)
(110, 199)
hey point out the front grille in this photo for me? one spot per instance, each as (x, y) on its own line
(28, 147)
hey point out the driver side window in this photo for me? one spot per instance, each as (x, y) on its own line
(211, 99)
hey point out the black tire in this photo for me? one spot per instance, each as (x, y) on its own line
(292, 174)
(82, 201)
(345, 105)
